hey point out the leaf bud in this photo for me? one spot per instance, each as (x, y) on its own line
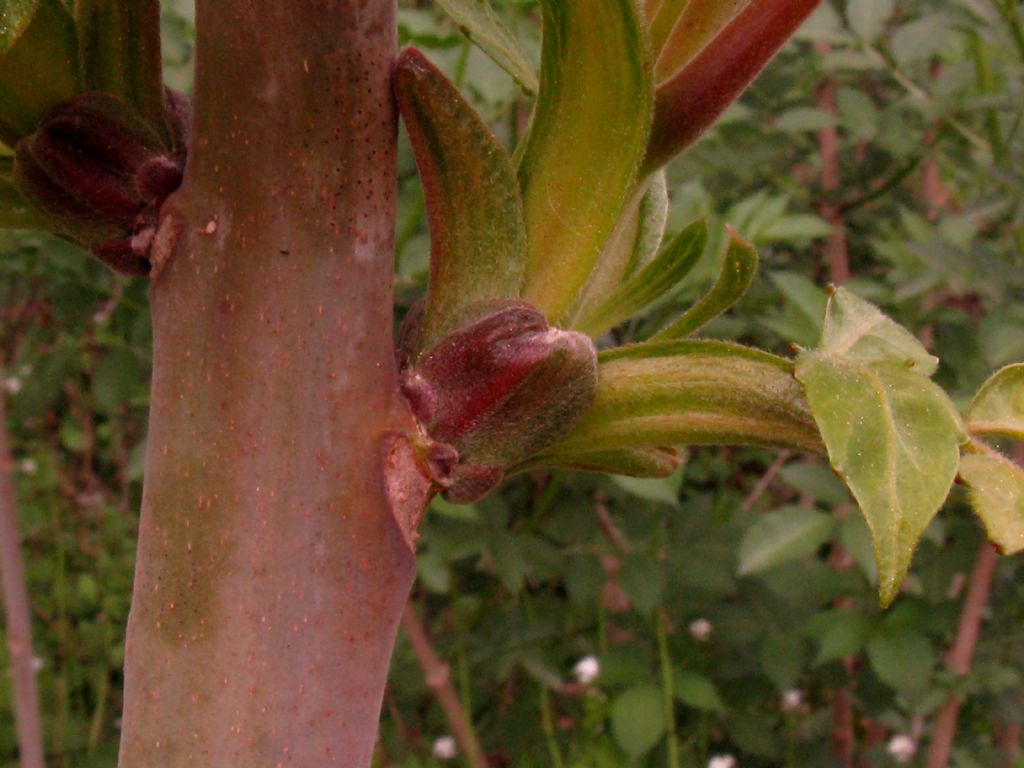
(498, 389)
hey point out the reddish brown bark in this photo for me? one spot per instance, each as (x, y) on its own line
(271, 570)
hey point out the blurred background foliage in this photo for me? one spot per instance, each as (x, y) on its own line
(729, 609)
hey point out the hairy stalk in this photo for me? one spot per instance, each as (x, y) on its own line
(271, 570)
(17, 616)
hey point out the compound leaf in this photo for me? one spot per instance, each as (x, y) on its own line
(891, 433)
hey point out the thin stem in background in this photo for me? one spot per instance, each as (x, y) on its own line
(667, 690)
(958, 660)
(17, 615)
(547, 723)
(766, 480)
(439, 679)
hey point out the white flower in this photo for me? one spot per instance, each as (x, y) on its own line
(902, 748)
(37, 663)
(12, 385)
(28, 466)
(701, 629)
(792, 699)
(587, 669)
(445, 749)
(722, 761)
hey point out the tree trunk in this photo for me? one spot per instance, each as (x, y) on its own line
(271, 571)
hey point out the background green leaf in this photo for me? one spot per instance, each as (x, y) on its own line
(477, 19)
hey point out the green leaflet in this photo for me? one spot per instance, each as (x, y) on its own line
(586, 140)
(891, 433)
(997, 494)
(689, 31)
(692, 392)
(477, 235)
(38, 64)
(119, 44)
(998, 408)
(858, 332)
(738, 270)
(670, 266)
(479, 22)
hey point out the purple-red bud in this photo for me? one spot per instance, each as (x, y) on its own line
(498, 389)
(99, 174)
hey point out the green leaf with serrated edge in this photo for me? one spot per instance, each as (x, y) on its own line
(38, 64)
(653, 218)
(859, 332)
(893, 435)
(782, 536)
(692, 99)
(632, 462)
(997, 494)
(477, 235)
(479, 22)
(119, 45)
(671, 265)
(693, 28)
(738, 270)
(692, 392)
(998, 408)
(586, 139)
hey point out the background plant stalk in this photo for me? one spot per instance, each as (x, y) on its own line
(271, 574)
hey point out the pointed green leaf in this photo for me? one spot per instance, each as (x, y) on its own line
(998, 408)
(479, 22)
(691, 30)
(738, 270)
(38, 64)
(692, 392)
(119, 44)
(690, 101)
(891, 433)
(586, 140)
(782, 536)
(671, 265)
(858, 332)
(997, 494)
(477, 235)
